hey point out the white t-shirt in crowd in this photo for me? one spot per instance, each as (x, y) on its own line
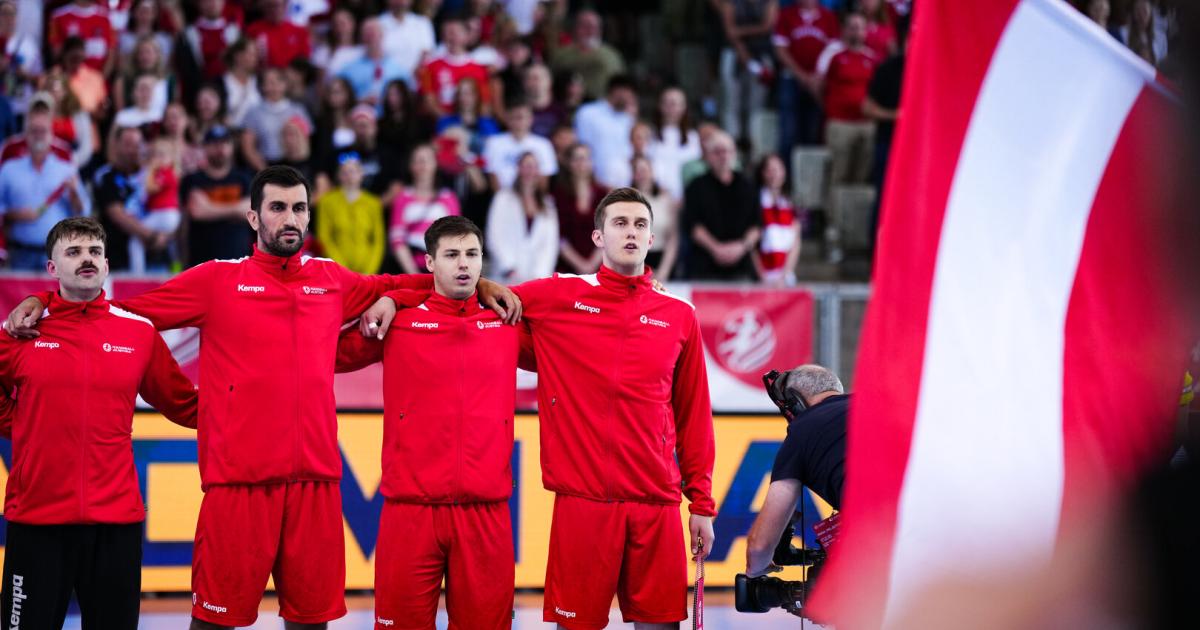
(501, 153)
(406, 40)
(606, 132)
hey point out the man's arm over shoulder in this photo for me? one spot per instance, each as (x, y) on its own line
(9, 349)
(179, 302)
(536, 295)
(695, 443)
(360, 291)
(166, 387)
(355, 352)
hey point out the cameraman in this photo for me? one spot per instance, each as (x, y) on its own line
(813, 455)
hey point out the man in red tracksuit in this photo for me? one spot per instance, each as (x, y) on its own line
(625, 421)
(449, 372)
(73, 506)
(269, 459)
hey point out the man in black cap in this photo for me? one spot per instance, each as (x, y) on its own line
(215, 201)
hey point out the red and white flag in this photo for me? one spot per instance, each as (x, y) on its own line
(1024, 347)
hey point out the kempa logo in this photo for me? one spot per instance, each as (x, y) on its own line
(588, 309)
(384, 622)
(425, 325)
(46, 344)
(108, 347)
(216, 609)
(483, 325)
(565, 613)
(315, 291)
(18, 601)
(249, 288)
(650, 321)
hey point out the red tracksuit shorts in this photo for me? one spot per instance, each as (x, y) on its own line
(635, 550)
(292, 531)
(470, 544)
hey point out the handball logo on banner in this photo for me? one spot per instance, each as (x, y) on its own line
(746, 340)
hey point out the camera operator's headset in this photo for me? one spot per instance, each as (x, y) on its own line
(790, 403)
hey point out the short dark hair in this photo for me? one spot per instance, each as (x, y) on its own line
(618, 195)
(278, 175)
(74, 227)
(618, 81)
(450, 226)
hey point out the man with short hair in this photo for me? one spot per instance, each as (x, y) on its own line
(37, 190)
(442, 73)
(215, 200)
(118, 187)
(594, 60)
(502, 151)
(374, 69)
(813, 455)
(279, 40)
(72, 504)
(722, 213)
(604, 126)
(844, 73)
(624, 426)
(270, 466)
(407, 36)
(89, 21)
(803, 30)
(262, 128)
(449, 373)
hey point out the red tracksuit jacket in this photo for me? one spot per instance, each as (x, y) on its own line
(75, 388)
(622, 390)
(268, 340)
(449, 389)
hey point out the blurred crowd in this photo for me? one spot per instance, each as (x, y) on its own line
(153, 115)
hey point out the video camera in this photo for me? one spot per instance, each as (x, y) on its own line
(760, 594)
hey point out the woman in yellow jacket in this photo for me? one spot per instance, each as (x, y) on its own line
(349, 220)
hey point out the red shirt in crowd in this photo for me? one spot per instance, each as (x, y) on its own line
(847, 75)
(805, 33)
(881, 39)
(17, 146)
(208, 40)
(282, 42)
(441, 75)
(167, 197)
(89, 23)
(75, 387)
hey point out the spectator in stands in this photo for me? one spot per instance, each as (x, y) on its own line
(779, 250)
(20, 60)
(604, 126)
(8, 120)
(442, 72)
(882, 105)
(382, 165)
(72, 124)
(86, 83)
(522, 228)
(216, 199)
(279, 41)
(589, 56)
(161, 215)
(1139, 35)
(141, 111)
(802, 32)
(297, 150)
(844, 73)
(143, 23)
(471, 114)
(674, 144)
(209, 111)
(539, 92)
(416, 208)
(746, 61)
(342, 48)
(665, 248)
(188, 154)
(508, 68)
(576, 193)
(501, 152)
(241, 81)
(146, 59)
(204, 40)
(302, 82)
(699, 166)
(375, 68)
(350, 220)
(89, 21)
(333, 131)
(404, 123)
(881, 30)
(407, 36)
(1100, 11)
(262, 140)
(118, 198)
(563, 138)
(568, 91)
(722, 215)
(37, 190)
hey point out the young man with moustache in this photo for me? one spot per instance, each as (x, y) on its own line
(73, 506)
(625, 421)
(270, 465)
(449, 372)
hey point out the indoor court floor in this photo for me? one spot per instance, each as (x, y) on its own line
(171, 613)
